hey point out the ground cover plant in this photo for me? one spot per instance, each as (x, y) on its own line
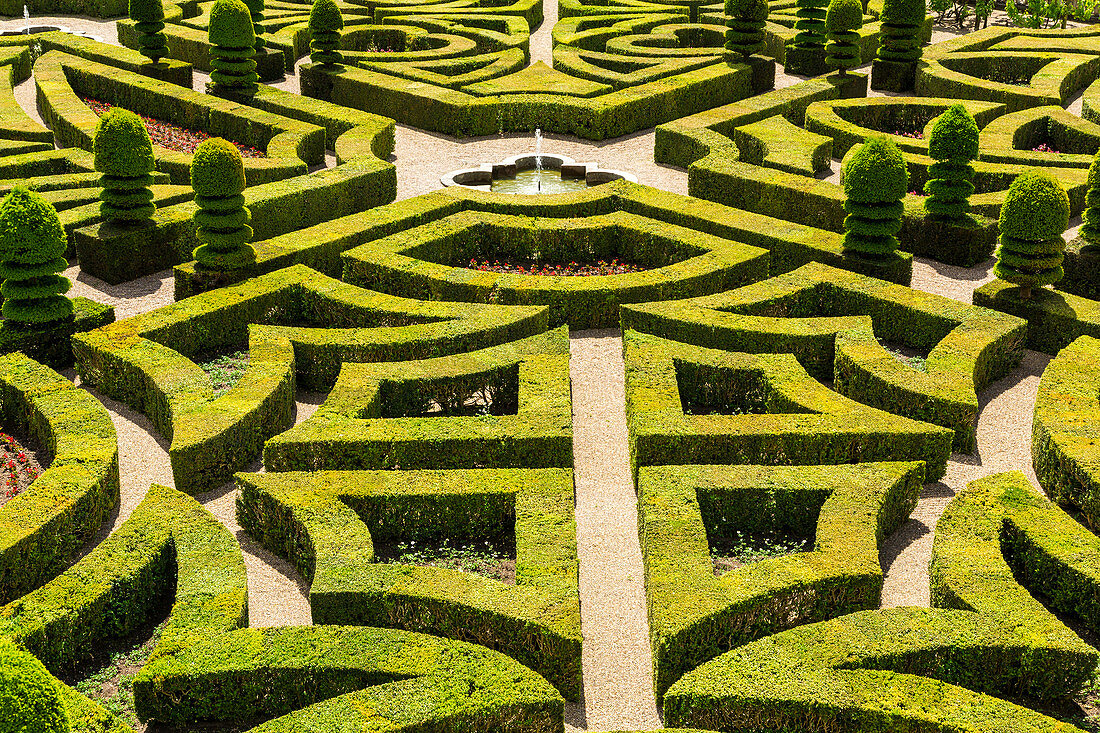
(174, 137)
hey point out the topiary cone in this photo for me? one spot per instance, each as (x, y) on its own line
(325, 24)
(842, 21)
(953, 143)
(30, 699)
(875, 182)
(124, 155)
(745, 24)
(810, 25)
(899, 32)
(32, 253)
(232, 41)
(1090, 226)
(217, 175)
(148, 17)
(1034, 216)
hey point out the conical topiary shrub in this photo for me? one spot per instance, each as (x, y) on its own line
(1090, 220)
(895, 64)
(875, 182)
(30, 699)
(842, 22)
(1034, 216)
(325, 24)
(124, 155)
(805, 54)
(953, 143)
(256, 10)
(148, 17)
(745, 26)
(32, 253)
(217, 175)
(232, 40)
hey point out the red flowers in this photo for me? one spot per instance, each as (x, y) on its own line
(556, 269)
(1044, 148)
(174, 137)
(19, 469)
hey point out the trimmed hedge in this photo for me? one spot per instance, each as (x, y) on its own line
(326, 523)
(222, 220)
(695, 616)
(300, 327)
(773, 412)
(776, 143)
(325, 24)
(831, 322)
(1054, 319)
(29, 696)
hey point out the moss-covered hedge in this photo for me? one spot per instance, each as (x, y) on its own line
(1054, 319)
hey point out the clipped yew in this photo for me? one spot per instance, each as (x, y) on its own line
(30, 700)
(745, 26)
(842, 23)
(232, 41)
(899, 37)
(123, 153)
(148, 17)
(1034, 216)
(256, 10)
(1090, 220)
(810, 25)
(953, 143)
(32, 253)
(325, 24)
(875, 183)
(217, 175)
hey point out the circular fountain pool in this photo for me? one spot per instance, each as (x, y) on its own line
(534, 174)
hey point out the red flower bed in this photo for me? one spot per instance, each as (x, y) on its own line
(174, 137)
(1044, 148)
(18, 468)
(560, 269)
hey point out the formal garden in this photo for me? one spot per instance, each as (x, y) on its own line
(548, 366)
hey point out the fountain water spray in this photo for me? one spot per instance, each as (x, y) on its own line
(538, 157)
(26, 20)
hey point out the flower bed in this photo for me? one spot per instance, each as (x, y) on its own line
(174, 137)
(560, 269)
(20, 467)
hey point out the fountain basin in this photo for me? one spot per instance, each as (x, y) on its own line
(521, 174)
(34, 29)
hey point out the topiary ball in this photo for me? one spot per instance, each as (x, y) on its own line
(903, 12)
(30, 230)
(146, 11)
(747, 9)
(121, 144)
(1036, 208)
(231, 25)
(325, 17)
(876, 173)
(844, 15)
(217, 169)
(30, 701)
(954, 135)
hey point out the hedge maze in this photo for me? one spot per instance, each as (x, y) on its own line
(396, 440)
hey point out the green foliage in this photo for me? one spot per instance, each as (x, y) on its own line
(124, 155)
(1034, 216)
(1090, 220)
(325, 24)
(29, 697)
(953, 143)
(875, 182)
(1051, 13)
(256, 10)
(899, 33)
(232, 38)
(745, 22)
(32, 249)
(148, 17)
(217, 175)
(810, 24)
(954, 136)
(842, 21)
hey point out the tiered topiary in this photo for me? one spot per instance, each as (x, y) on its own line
(745, 23)
(148, 17)
(806, 53)
(895, 66)
(124, 155)
(1034, 216)
(233, 68)
(1090, 220)
(843, 21)
(325, 24)
(256, 10)
(217, 175)
(32, 253)
(953, 143)
(875, 182)
(30, 701)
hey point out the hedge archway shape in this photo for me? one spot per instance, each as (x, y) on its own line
(1033, 218)
(123, 153)
(32, 253)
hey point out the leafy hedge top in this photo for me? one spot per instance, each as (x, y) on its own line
(876, 172)
(902, 12)
(30, 230)
(746, 9)
(325, 17)
(121, 144)
(231, 25)
(29, 697)
(954, 136)
(217, 168)
(146, 11)
(1094, 172)
(254, 6)
(844, 15)
(1036, 207)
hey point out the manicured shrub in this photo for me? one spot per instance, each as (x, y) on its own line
(746, 26)
(953, 143)
(810, 24)
(901, 21)
(843, 21)
(1034, 216)
(217, 175)
(232, 40)
(148, 17)
(325, 24)
(30, 701)
(1090, 227)
(124, 155)
(32, 249)
(875, 182)
(256, 10)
